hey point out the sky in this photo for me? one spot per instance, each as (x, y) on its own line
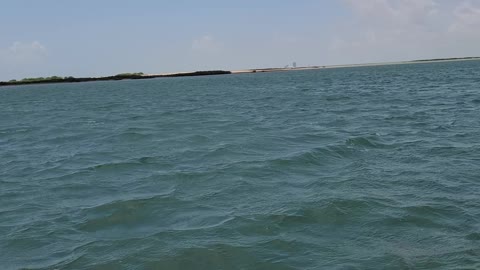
(107, 37)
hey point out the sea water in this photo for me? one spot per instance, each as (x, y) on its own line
(349, 168)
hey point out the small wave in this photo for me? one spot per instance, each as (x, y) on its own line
(476, 101)
(142, 215)
(338, 211)
(63, 139)
(128, 135)
(203, 223)
(138, 129)
(126, 213)
(220, 150)
(316, 156)
(450, 150)
(402, 118)
(437, 211)
(110, 106)
(216, 256)
(337, 97)
(366, 142)
(198, 138)
(114, 166)
(473, 236)
(157, 160)
(426, 216)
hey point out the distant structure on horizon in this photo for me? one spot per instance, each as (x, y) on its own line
(294, 65)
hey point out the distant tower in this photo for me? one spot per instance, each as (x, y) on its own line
(294, 65)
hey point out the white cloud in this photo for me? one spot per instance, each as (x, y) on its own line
(22, 59)
(400, 12)
(20, 48)
(206, 43)
(408, 29)
(394, 17)
(21, 52)
(467, 19)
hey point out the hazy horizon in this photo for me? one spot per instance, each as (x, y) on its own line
(96, 39)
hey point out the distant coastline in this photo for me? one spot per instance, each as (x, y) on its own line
(141, 76)
(123, 76)
(421, 61)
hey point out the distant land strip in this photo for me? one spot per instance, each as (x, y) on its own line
(141, 76)
(123, 76)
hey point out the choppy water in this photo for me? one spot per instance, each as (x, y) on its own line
(357, 168)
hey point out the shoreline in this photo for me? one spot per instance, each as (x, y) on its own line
(141, 76)
(428, 61)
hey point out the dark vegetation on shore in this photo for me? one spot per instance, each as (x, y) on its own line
(122, 76)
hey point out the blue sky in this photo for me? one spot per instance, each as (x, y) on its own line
(95, 38)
